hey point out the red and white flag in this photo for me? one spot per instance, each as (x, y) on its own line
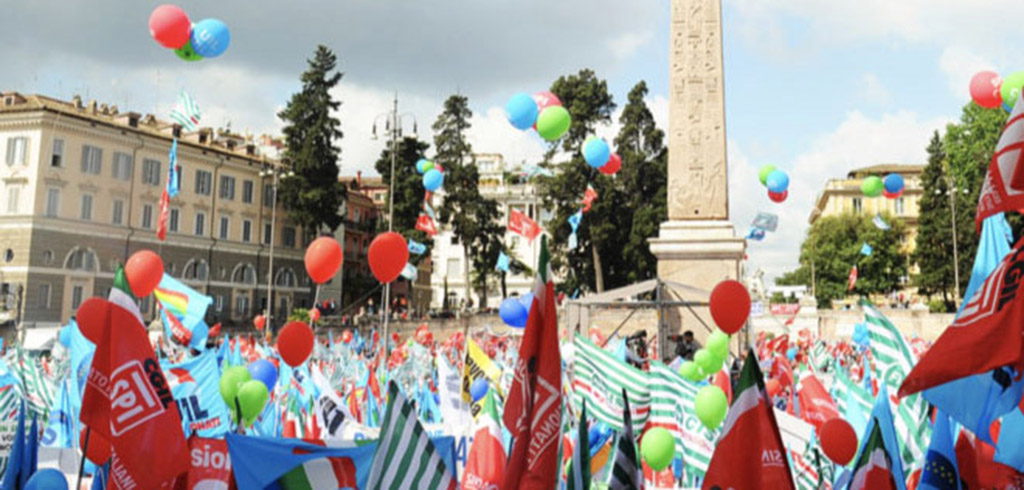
(522, 224)
(165, 211)
(1003, 189)
(533, 410)
(589, 196)
(485, 465)
(425, 224)
(816, 406)
(852, 281)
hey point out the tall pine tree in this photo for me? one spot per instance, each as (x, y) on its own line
(409, 189)
(934, 247)
(314, 196)
(472, 218)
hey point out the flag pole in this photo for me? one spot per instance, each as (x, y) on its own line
(85, 450)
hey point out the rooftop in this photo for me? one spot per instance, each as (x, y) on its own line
(885, 168)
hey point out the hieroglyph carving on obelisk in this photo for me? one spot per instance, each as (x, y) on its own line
(696, 156)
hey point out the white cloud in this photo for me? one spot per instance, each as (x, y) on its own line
(858, 141)
(960, 64)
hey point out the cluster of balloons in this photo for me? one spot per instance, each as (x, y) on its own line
(860, 334)
(433, 174)
(541, 111)
(388, 254)
(890, 187)
(990, 91)
(515, 311)
(599, 155)
(246, 389)
(776, 181)
(709, 360)
(171, 27)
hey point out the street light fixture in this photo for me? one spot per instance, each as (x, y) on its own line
(276, 173)
(953, 189)
(393, 126)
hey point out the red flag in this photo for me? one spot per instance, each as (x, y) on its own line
(1003, 189)
(976, 461)
(793, 317)
(985, 336)
(165, 211)
(426, 225)
(485, 465)
(723, 381)
(533, 410)
(853, 278)
(816, 406)
(589, 196)
(210, 464)
(128, 401)
(750, 453)
(523, 225)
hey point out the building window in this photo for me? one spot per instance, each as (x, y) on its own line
(242, 305)
(286, 278)
(147, 216)
(52, 202)
(76, 296)
(82, 259)
(92, 160)
(267, 232)
(196, 269)
(44, 296)
(227, 187)
(288, 237)
(247, 230)
(247, 187)
(48, 256)
(225, 227)
(858, 205)
(86, 207)
(899, 206)
(16, 151)
(245, 274)
(123, 166)
(200, 224)
(219, 303)
(268, 196)
(57, 154)
(172, 220)
(204, 181)
(13, 196)
(118, 212)
(455, 240)
(151, 171)
(454, 268)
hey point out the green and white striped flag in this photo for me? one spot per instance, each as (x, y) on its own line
(405, 457)
(819, 356)
(35, 387)
(672, 407)
(846, 390)
(600, 379)
(186, 113)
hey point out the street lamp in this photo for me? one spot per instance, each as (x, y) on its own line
(276, 173)
(393, 126)
(953, 189)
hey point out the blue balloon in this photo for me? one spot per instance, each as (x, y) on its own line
(893, 183)
(65, 336)
(264, 371)
(433, 180)
(521, 111)
(777, 181)
(478, 390)
(47, 479)
(210, 38)
(419, 165)
(791, 353)
(596, 152)
(527, 301)
(513, 313)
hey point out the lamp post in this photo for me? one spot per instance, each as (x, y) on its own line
(276, 174)
(393, 125)
(953, 189)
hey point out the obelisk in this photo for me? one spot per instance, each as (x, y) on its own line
(697, 245)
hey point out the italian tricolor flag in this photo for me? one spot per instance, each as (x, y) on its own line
(750, 453)
(485, 466)
(873, 469)
(321, 474)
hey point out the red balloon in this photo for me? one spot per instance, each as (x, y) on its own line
(545, 100)
(388, 255)
(730, 305)
(613, 165)
(169, 25)
(346, 336)
(314, 315)
(93, 316)
(838, 440)
(323, 259)
(295, 343)
(99, 448)
(892, 195)
(259, 322)
(144, 270)
(985, 91)
(778, 196)
(773, 387)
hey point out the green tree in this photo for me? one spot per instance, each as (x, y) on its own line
(409, 191)
(314, 195)
(834, 244)
(935, 235)
(473, 219)
(589, 103)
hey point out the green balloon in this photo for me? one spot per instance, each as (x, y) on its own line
(872, 186)
(718, 344)
(553, 122)
(763, 174)
(691, 371)
(707, 361)
(252, 396)
(230, 381)
(429, 165)
(1011, 88)
(187, 53)
(658, 448)
(711, 406)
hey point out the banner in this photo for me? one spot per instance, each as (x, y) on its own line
(521, 224)
(449, 389)
(784, 308)
(210, 465)
(478, 366)
(195, 385)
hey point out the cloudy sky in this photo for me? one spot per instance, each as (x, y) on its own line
(815, 87)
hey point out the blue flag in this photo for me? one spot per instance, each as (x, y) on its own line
(259, 462)
(12, 477)
(503, 262)
(60, 430)
(417, 247)
(195, 385)
(882, 414)
(978, 400)
(755, 234)
(866, 249)
(173, 171)
(1010, 451)
(940, 470)
(575, 219)
(30, 461)
(188, 309)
